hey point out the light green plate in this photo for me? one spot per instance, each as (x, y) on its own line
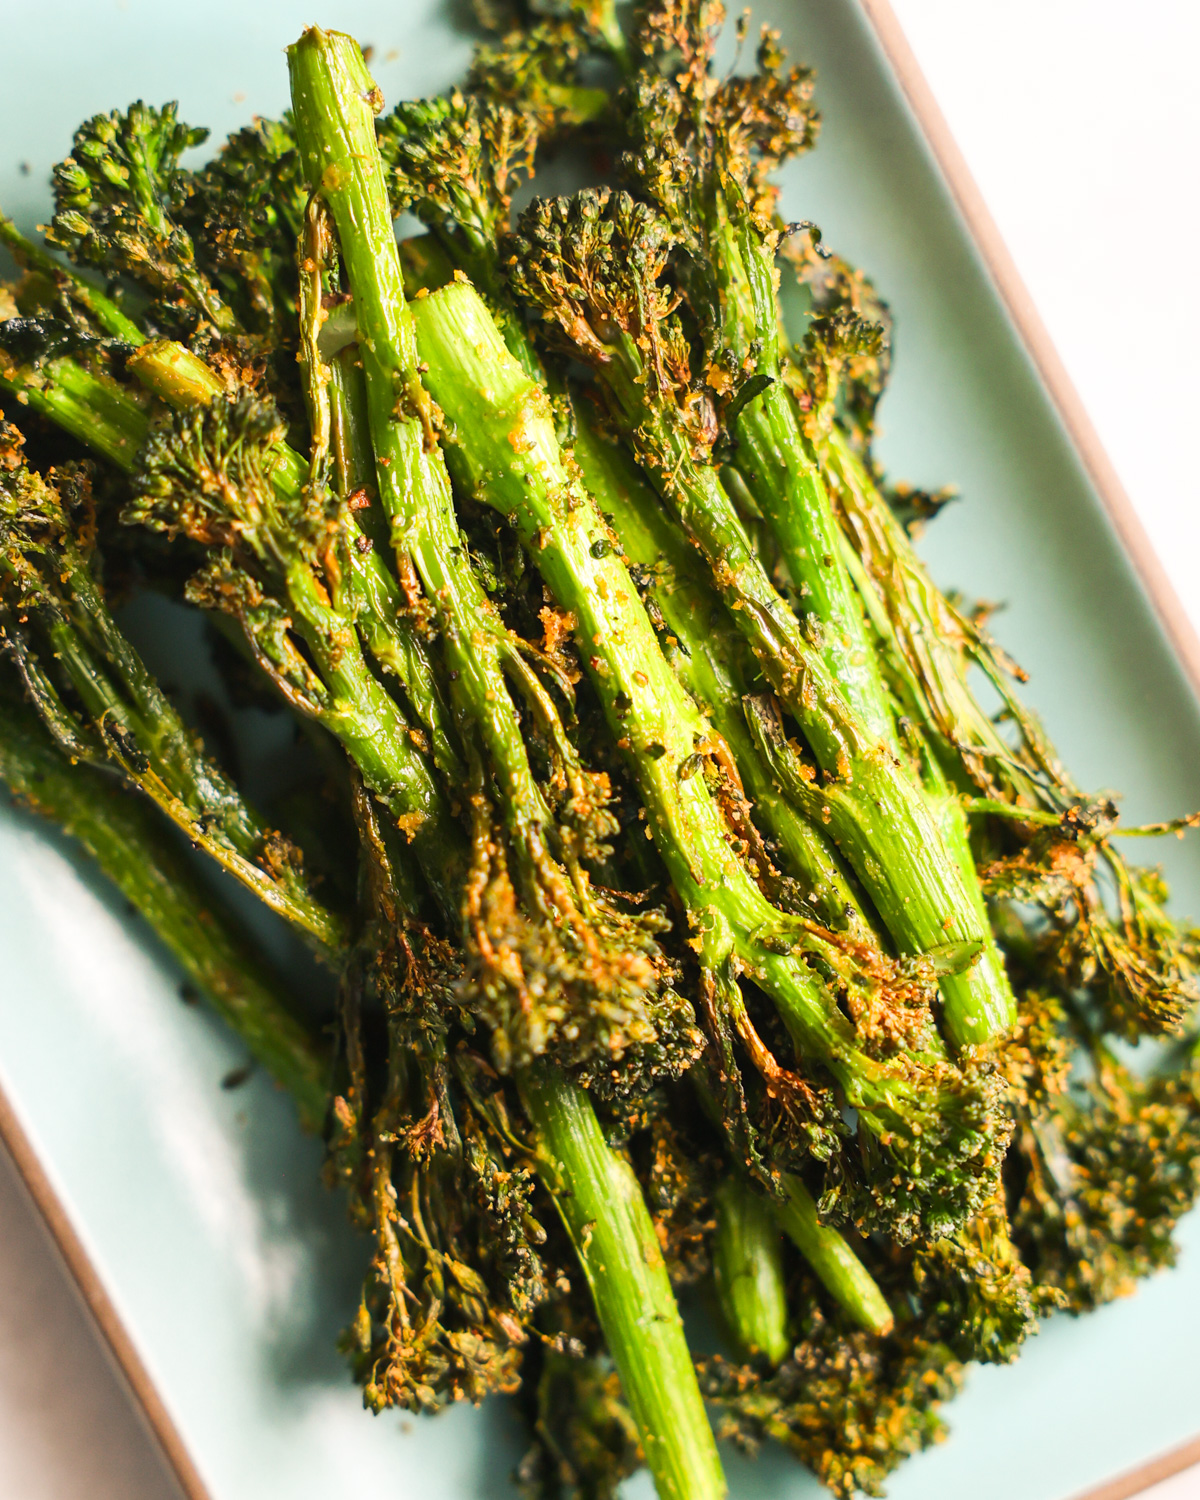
(201, 1210)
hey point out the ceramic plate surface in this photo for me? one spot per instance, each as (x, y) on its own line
(200, 1209)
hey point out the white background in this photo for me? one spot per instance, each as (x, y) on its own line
(1081, 122)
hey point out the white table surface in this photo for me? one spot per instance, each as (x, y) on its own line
(1081, 123)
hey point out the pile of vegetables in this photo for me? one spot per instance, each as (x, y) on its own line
(705, 907)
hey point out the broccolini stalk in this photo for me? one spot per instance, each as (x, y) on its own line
(48, 593)
(403, 1359)
(544, 938)
(828, 1254)
(602, 1207)
(1102, 907)
(597, 1197)
(852, 1403)
(710, 658)
(835, 1264)
(933, 1123)
(220, 473)
(71, 287)
(701, 150)
(124, 838)
(592, 266)
(339, 420)
(748, 1271)
(86, 403)
(1045, 841)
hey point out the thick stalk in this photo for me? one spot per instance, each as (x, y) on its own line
(748, 1272)
(788, 489)
(709, 656)
(334, 100)
(130, 846)
(769, 455)
(602, 1208)
(837, 1267)
(895, 847)
(89, 406)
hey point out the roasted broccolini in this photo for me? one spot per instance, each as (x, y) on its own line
(709, 931)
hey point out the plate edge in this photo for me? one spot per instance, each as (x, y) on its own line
(98, 1304)
(1022, 311)
(1165, 1466)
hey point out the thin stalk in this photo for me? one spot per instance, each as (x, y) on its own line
(602, 1207)
(353, 704)
(101, 308)
(837, 1267)
(931, 641)
(748, 1272)
(130, 847)
(49, 590)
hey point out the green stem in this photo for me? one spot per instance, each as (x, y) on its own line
(837, 1267)
(709, 656)
(361, 713)
(604, 1213)
(126, 841)
(748, 1272)
(89, 406)
(334, 100)
(885, 831)
(103, 309)
(789, 491)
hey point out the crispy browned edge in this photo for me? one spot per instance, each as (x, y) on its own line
(120, 1346)
(1086, 441)
(1003, 271)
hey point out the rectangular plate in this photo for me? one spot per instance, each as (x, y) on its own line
(219, 1267)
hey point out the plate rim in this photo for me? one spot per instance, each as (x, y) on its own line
(88, 1284)
(1134, 541)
